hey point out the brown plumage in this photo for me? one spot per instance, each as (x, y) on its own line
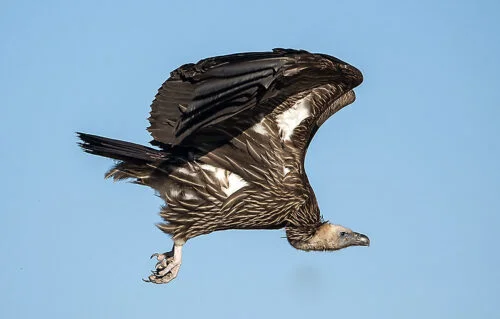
(232, 133)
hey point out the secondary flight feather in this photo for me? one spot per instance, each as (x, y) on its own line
(231, 134)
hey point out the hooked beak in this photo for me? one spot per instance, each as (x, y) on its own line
(360, 239)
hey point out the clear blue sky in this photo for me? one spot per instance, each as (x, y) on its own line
(413, 163)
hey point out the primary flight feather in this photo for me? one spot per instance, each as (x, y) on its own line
(232, 133)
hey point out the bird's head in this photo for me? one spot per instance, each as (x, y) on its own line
(333, 237)
(337, 237)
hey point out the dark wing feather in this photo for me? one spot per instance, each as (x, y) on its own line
(211, 91)
(215, 89)
(220, 97)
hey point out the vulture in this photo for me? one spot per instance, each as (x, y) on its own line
(230, 134)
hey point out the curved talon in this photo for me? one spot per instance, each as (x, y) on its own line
(161, 264)
(167, 267)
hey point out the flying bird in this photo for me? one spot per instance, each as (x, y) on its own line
(230, 134)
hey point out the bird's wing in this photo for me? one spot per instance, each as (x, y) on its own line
(321, 104)
(215, 89)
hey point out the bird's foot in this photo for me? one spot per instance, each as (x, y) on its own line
(167, 267)
(163, 259)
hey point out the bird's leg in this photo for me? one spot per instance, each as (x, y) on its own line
(167, 267)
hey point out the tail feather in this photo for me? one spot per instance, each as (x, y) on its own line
(136, 161)
(119, 150)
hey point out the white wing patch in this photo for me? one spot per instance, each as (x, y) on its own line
(229, 181)
(291, 118)
(235, 183)
(259, 128)
(286, 170)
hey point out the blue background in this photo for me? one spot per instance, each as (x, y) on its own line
(413, 163)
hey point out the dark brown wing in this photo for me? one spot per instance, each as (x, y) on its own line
(215, 89)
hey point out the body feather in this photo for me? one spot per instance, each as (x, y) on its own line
(233, 132)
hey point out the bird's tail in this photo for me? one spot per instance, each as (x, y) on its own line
(136, 161)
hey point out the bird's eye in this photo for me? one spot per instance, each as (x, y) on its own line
(342, 233)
